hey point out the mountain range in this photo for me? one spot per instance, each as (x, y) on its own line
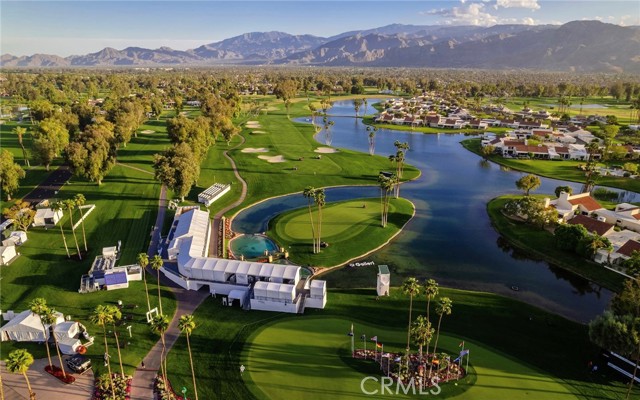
(575, 46)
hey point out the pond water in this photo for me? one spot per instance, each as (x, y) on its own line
(451, 238)
(251, 246)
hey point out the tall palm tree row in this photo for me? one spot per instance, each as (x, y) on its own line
(160, 324)
(49, 317)
(57, 206)
(309, 194)
(320, 200)
(38, 306)
(143, 261)
(386, 185)
(431, 291)
(101, 316)
(114, 316)
(80, 201)
(156, 264)
(410, 286)
(372, 138)
(18, 362)
(70, 205)
(187, 324)
(443, 308)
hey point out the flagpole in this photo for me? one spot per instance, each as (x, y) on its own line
(388, 365)
(381, 353)
(364, 344)
(353, 352)
(375, 351)
(467, 369)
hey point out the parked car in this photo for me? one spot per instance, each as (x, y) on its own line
(79, 363)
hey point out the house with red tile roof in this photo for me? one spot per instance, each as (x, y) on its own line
(569, 205)
(592, 225)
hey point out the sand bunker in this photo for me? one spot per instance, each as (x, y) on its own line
(325, 150)
(253, 124)
(148, 131)
(254, 150)
(258, 132)
(272, 159)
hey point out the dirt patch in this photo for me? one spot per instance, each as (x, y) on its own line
(272, 159)
(147, 131)
(254, 150)
(326, 150)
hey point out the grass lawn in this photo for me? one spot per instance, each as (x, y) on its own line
(350, 230)
(298, 357)
(565, 169)
(541, 244)
(301, 167)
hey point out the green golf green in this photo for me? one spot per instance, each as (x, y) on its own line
(351, 228)
(298, 358)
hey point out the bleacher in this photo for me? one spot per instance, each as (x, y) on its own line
(213, 193)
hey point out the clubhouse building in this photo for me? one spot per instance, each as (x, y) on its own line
(257, 285)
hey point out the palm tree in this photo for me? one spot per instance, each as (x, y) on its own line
(431, 291)
(20, 131)
(38, 306)
(18, 362)
(356, 105)
(57, 206)
(309, 194)
(422, 332)
(80, 201)
(156, 264)
(70, 205)
(320, 199)
(386, 184)
(187, 324)
(365, 103)
(411, 287)
(49, 317)
(443, 308)
(102, 317)
(143, 261)
(114, 316)
(372, 138)
(159, 324)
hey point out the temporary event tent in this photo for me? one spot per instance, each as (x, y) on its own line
(26, 327)
(7, 253)
(21, 235)
(68, 345)
(47, 217)
(66, 329)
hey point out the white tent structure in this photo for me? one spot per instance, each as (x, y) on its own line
(26, 327)
(66, 329)
(68, 345)
(7, 254)
(21, 235)
(46, 217)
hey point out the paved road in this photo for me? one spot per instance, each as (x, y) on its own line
(215, 229)
(48, 188)
(45, 386)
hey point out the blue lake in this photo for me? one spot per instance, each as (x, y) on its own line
(451, 239)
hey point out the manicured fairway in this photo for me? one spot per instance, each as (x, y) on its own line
(294, 359)
(349, 228)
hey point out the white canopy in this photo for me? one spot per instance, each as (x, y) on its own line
(68, 345)
(64, 330)
(237, 294)
(26, 327)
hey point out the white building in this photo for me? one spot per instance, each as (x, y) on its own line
(47, 217)
(262, 286)
(27, 327)
(384, 281)
(7, 254)
(213, 193)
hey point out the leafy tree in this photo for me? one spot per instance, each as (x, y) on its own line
(320, 200)
(422, 332)
(21, 213)
(285, 90)
(20, 132)
(357, 103)
(177, 168)
(143, 261)
(487, 150)
(10, 174)
(156, 107)
(632, 264)
(18, 362)
(566, 189)
(41, 109)
(93, 154)
(50, 139)
(528, 183)
(568, 236)
(630, 167)
(193, 132)
(186, 325)
(589, 245)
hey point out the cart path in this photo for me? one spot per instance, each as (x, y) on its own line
(49, 187)
(215, 229)
(136, 168)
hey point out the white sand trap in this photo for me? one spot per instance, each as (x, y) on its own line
(272, 159)
(148, 131)
(326, 150)
(258, 132)
(254, 150)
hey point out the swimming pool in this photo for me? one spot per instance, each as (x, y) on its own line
(251, 246)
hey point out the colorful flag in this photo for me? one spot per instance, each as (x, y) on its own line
(461, 344)
(379, 345)
(374, 339)
(464, 352)
(350, 332)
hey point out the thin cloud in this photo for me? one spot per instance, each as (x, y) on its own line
(471, 14)
(530, 4)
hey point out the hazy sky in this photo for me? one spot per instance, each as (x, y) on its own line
(83, 26)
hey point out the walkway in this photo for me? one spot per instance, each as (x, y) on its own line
(48, 188)
(46, 386)
(136, 168)
(215, 229)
